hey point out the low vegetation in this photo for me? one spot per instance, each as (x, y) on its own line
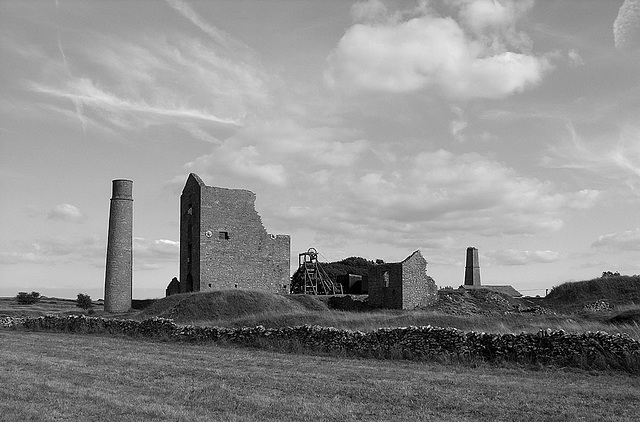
(614, 289)
(63, 376)
(84, 301)
(25, 298)
(59, 376)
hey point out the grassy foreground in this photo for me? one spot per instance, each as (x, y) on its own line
(56, 376)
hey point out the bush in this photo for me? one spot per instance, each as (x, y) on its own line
(84, 301)
(25, 298)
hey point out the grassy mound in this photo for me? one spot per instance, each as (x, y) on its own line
(617, 290)
(310, 303)
(228, 304)
(629, 316)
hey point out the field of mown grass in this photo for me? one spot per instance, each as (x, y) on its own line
(56, 376)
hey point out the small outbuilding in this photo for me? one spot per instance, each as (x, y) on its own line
(173, 288)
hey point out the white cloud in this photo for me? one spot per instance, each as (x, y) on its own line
(11, 258)
(432, 52)
(159, 249)
(206, 87)
(616, 159)
(278, 153)
(461, 192)
(66, 212)
(575, 59)
(626, 28)
(221, 37)
(417, 201)
(624, 241)
(84, 91)
(92, 249)
(369, 11)
(494, 22)
(345, 188)
(57, 250)
(519, 257)
(483, 15)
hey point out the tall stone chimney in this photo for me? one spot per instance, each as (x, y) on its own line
(118, 284)
(472, 268)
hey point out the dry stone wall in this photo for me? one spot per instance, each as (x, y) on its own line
(547, 346)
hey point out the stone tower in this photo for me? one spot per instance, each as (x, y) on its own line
(118, 277)
(472, 268)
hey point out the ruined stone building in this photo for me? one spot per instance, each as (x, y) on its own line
(402, 285)
(223, 244)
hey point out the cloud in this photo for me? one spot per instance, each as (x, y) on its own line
(575, 59)
(616, 159)
(343, 188)
(278, 153)
(156, 250)
(83, 91)
(626, 27)
(209, 87)
(462, 192)
(57, 250)
(11, 258)
(66, 212)
(92, 249)
(222, 38)
(432, 52)
(149, 255)
(624, 241)
(519, 257)
(369, 11)
(77, 104)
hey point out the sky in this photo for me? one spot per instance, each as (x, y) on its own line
(369, 129)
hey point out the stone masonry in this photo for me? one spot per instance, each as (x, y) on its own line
(402, 285)
(118, 282)
(472, 268)
(223, 244)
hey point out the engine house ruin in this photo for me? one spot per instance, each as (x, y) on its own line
(402, 285)
(223, 244)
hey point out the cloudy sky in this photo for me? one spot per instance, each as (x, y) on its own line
(365, 128)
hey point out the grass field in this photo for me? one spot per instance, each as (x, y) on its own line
(55, 376)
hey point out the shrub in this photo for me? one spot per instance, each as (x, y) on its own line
(25, 298)
(84, 301)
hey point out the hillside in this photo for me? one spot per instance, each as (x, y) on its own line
(617, 290)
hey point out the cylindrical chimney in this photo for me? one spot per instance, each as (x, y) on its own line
(118, 284)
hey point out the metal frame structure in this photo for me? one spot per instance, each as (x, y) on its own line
(310, 278)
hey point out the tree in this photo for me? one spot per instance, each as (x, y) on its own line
(25, 298)
(84, 301)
